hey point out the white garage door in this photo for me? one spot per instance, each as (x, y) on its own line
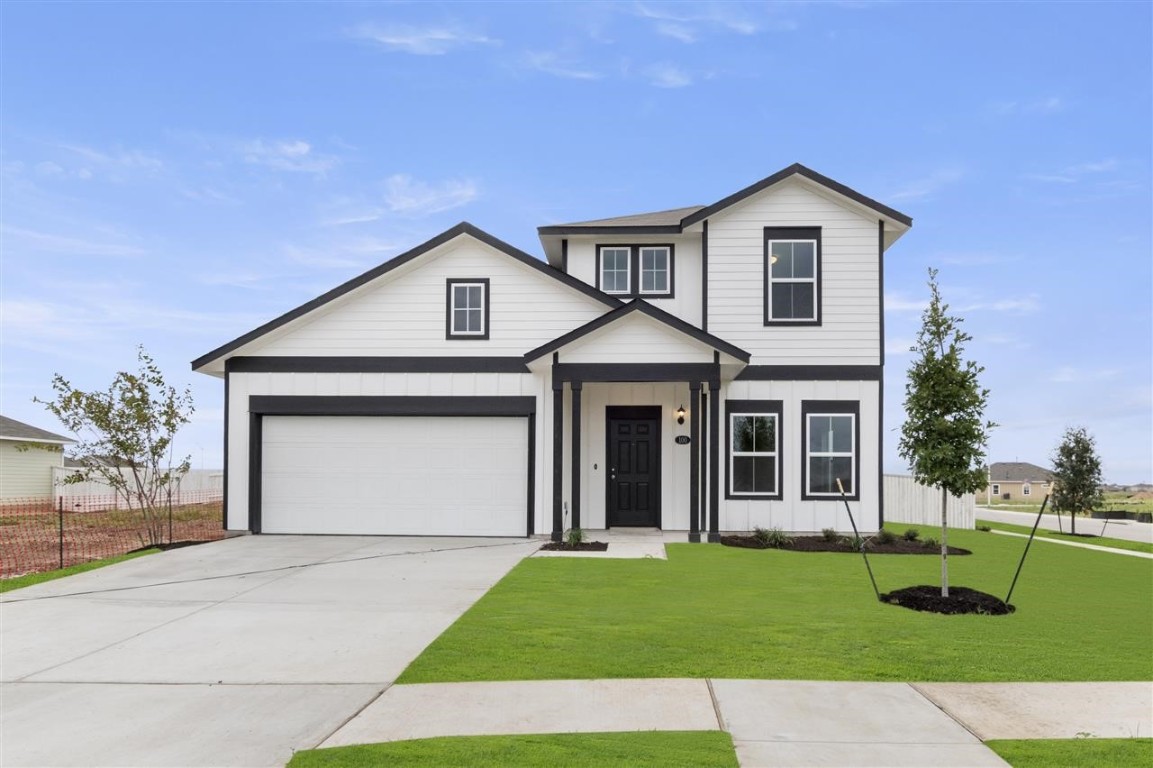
(396, 475)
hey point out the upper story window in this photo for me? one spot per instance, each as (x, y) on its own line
(467, 309)
(831, 436)
(635, 270)
(792, 275)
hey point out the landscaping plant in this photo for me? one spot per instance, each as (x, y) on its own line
(945, 432)
(1076, 475)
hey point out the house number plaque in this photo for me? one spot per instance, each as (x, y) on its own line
(683, 440)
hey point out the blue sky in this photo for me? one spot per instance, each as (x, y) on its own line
(176, 174)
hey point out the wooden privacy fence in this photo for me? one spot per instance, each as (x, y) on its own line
(44, 534)
(907, 501)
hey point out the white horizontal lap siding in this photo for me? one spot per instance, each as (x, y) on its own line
(28, 473)
(791, 513)
(849, 333)
(404, 314)
(243, 385)
(636, 339)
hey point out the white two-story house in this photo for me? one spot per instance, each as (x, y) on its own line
(704, 369)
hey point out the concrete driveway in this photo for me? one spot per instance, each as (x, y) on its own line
(234, 653)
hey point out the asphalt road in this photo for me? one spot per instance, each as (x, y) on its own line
(1115, 529)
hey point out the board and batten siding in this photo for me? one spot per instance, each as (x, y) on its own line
(28, 473)
(403, 313)
(636, 339)
(685, 302)
(791, 513)
(241, 386)
(850, 332)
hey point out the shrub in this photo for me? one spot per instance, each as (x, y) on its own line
(830, 534)
(911, 535)
(574, 536)
(856, 543)
(930, 543)
(885, 536)
(984, 528)
(773, 537)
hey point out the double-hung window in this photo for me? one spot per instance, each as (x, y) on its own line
(792, 275)
(831, 435)
(635, 270)
(753, 433)
(467, 311)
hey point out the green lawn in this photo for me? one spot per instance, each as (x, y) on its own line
(1100, 541)
(714, 611)
(28, 579)
(1074, 753)
(578, 750)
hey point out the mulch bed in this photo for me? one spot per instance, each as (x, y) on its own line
(960, 600)
(584, 546)
(821, 544)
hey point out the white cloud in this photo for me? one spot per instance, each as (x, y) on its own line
(551, 63)
(927, 186)
(898, 303)
(676, 31)
(286, 155)
(1025, 305)
(1047, 105)
(1074, 173)
(45, 242)
(1071, 375)
(427, 41)
(412, 197)
(668, 76)
(723, 15)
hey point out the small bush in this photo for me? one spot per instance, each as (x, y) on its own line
(984, 528)
(773, 537)
(856, 543)
(574, 536)
(885, 536)
(911, 535)
(931, 543)
(830, 534)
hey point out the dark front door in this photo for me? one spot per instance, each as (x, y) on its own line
(634, 465)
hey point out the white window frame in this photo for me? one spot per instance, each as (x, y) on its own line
(1026, 490)
(482, 309)
(775, 453)
(667, 270)
(628, 251)
(810, 454)
(996, 489)
(793, 280)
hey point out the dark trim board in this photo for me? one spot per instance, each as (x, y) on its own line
(608, 372)
(224, 478)
(244, 364)
(270, 405)
(618, 229)
(705, 276)
(810, 373)
(714, 464)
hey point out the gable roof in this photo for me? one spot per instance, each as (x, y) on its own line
(10, 429)
(642, 306)
(676, 220)
(1018, 472)
(464, 228)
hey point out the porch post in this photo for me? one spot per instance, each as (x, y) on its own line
(557, 458)
(576, 387)
(714, 460)
(694, 461)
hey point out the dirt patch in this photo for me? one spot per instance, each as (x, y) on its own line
(960, 600)
(584, 546)
(821, 544)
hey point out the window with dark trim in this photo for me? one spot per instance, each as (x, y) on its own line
(792, 276)
(753, 457)
(831, 443)
(635, 270)
(467, 309)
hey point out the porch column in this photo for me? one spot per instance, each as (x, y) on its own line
(694, 461)
(714, 460)
(576, 386)
(557, 458)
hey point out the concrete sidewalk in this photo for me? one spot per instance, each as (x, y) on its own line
(773, 722)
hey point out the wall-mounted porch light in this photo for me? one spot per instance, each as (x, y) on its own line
(681, 415)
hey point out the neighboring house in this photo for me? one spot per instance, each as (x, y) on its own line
(1017, 481)
(27, 456)
(704, 369)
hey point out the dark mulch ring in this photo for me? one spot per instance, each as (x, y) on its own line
(167, 546)
(960, 600)
(584, 546)
(821, 544)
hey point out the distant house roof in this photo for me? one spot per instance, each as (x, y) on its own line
(10, 429)
(1018, 472)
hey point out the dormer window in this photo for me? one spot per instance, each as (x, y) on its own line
(467, 309)
(635, 270)
(792, 275)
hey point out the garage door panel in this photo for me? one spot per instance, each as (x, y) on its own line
(394, 475)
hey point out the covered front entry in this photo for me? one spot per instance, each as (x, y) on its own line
(633, 453)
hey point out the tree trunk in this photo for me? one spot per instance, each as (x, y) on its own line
(1073, 522)
(944, 544)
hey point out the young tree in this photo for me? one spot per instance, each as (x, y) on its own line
(126, 437)
(1077, 475)
(945, 432)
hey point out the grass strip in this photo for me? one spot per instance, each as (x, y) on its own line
(722, 612)
(28, 579)
(707, 749)
(1074, 753)
(1099, 541)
